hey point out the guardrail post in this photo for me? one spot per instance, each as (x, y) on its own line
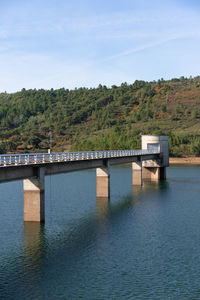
(34, 191)
(103, 182)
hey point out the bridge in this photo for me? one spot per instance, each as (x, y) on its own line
(149, 163)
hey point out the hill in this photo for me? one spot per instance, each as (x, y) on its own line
(102, 118)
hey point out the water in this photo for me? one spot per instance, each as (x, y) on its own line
(143, 244)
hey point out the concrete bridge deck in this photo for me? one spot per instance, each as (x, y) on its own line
(23, 166)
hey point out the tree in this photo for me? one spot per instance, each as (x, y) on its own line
(163, 108)
(194, 114)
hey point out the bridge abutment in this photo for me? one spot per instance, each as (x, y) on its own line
(103, 182)
(34, 210)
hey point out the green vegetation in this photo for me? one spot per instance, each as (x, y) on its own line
(102, 118)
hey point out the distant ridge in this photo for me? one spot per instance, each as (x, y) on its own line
(103, 118)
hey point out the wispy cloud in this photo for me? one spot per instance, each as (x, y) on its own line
(149, 45)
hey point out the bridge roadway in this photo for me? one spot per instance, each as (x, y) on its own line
(24, 166)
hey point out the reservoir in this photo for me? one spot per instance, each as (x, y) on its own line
(142, 244)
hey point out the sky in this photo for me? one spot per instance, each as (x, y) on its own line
(83, 43)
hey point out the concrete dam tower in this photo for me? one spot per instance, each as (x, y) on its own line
(153, 169)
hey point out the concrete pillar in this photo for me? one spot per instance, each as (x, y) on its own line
(103, 182)
(137, 176)
(34, 198)
(146, 173)
(154, 173)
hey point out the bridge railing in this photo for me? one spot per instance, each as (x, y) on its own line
(55, 157)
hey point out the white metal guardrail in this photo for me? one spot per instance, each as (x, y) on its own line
(55, 157)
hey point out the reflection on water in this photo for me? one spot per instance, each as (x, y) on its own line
(137, 191)
(33, 235)
(34, 240)
(143, 243)
(32, 259)
(103, 205)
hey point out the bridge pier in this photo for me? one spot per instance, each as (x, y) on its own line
(137, 173)
(34, 210)
(103, 182)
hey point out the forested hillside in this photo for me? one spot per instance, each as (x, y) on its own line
(102, 118)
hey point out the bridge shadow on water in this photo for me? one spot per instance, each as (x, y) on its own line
(45, 257)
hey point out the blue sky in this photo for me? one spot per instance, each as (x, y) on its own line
(64, 43)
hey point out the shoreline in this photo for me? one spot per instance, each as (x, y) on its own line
(184, 160)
